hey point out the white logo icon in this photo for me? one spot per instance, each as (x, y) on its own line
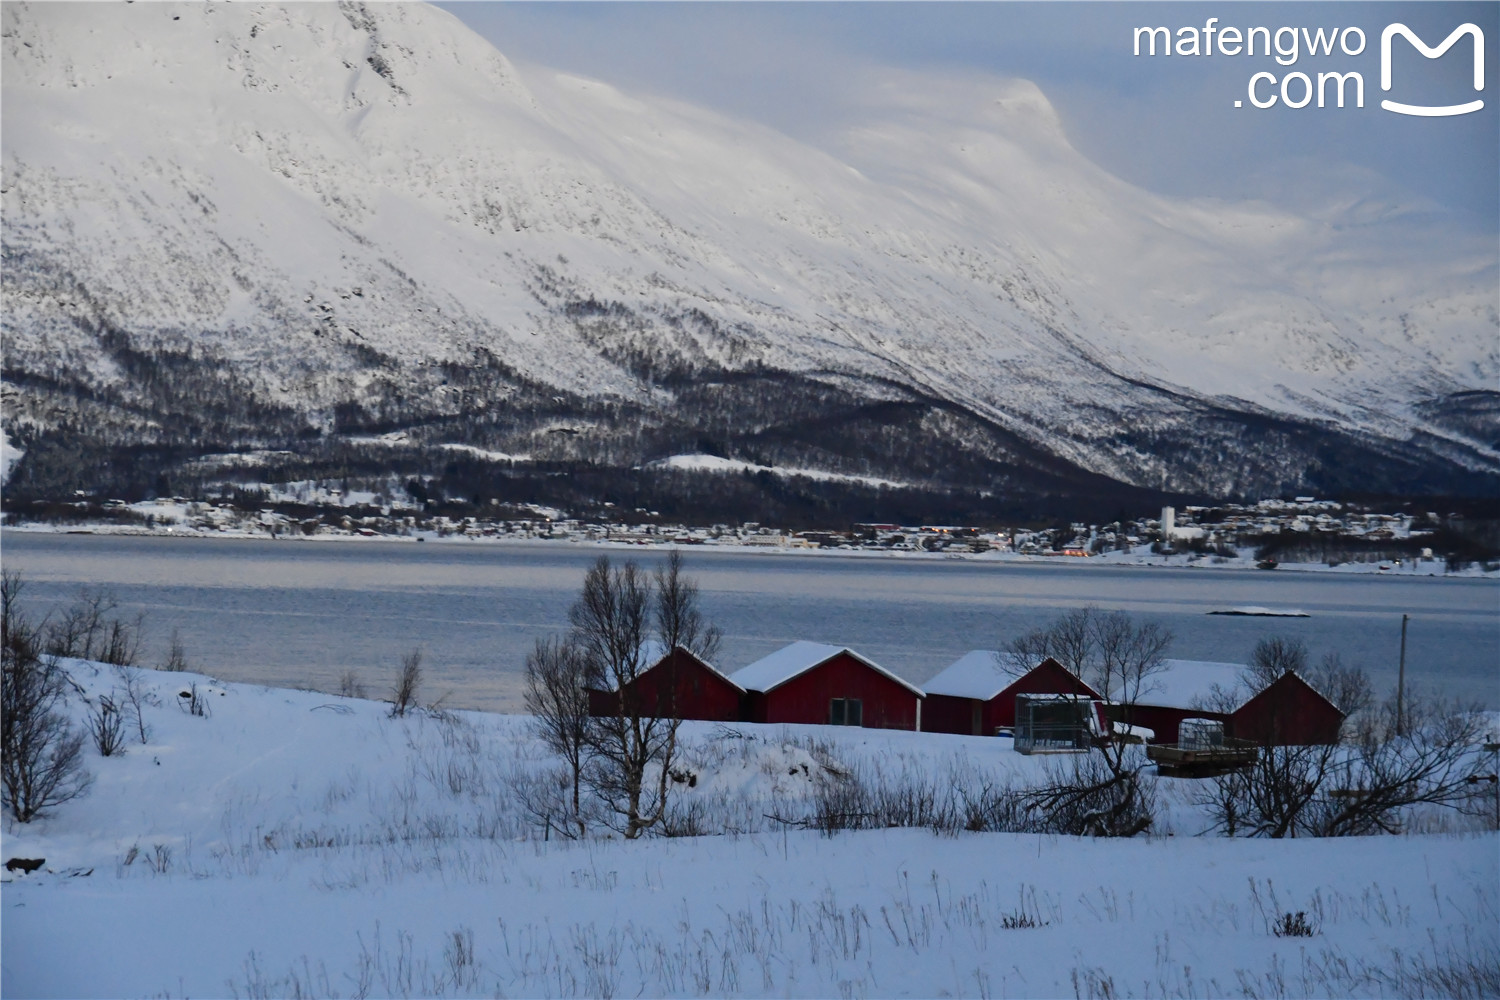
(1431, 53)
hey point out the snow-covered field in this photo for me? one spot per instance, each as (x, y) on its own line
(295, 843)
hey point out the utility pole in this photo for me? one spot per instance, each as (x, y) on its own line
(1401, 682)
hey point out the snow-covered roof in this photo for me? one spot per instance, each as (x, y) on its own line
(789, 661)
(1190, 684)
(1141, 732)
(979, 673)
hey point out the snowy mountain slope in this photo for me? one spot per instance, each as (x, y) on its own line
(313, 220)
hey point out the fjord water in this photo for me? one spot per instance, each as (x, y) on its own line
(300, 613)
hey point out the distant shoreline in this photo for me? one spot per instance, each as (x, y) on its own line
(1430, 568)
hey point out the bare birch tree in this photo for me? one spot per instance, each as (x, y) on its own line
(630, 752)
(1109, 650)
(1273, 656)
(1127, 655)
(611, 621)
(679, 621)
(1068, 640)
(1347, 687)
(557, 681)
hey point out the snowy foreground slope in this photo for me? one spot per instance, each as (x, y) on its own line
(297, 843)
(231, 225)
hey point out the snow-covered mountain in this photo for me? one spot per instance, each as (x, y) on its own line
(230, 227)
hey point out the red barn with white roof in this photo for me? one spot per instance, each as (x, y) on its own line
(976, 694)
(1288, 712)
(811, 682)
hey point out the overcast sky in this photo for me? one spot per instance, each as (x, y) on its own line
(1166, 123)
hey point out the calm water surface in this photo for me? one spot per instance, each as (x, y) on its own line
(299, 613)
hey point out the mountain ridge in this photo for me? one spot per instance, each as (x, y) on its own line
(332, 221)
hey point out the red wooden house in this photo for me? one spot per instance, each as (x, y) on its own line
(676, 685)
(820, 684)
(1288, 712)
(976, 694)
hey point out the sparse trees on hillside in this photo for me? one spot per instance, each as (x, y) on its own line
(78, 629)
(86, 629)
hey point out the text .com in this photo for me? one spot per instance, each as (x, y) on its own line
(1341, 87)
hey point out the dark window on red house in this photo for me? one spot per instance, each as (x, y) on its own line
(846, 712)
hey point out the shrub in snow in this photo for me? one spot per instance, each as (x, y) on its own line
(350, 685)
(85, 630)
(1423, 755)
(136, 698)
(193, 701)
(1098, 794)
(176, 661)
(408, 680)
(1293, 925)
(121, 642)
(106, 727)
(77, 629)
(41, 760)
